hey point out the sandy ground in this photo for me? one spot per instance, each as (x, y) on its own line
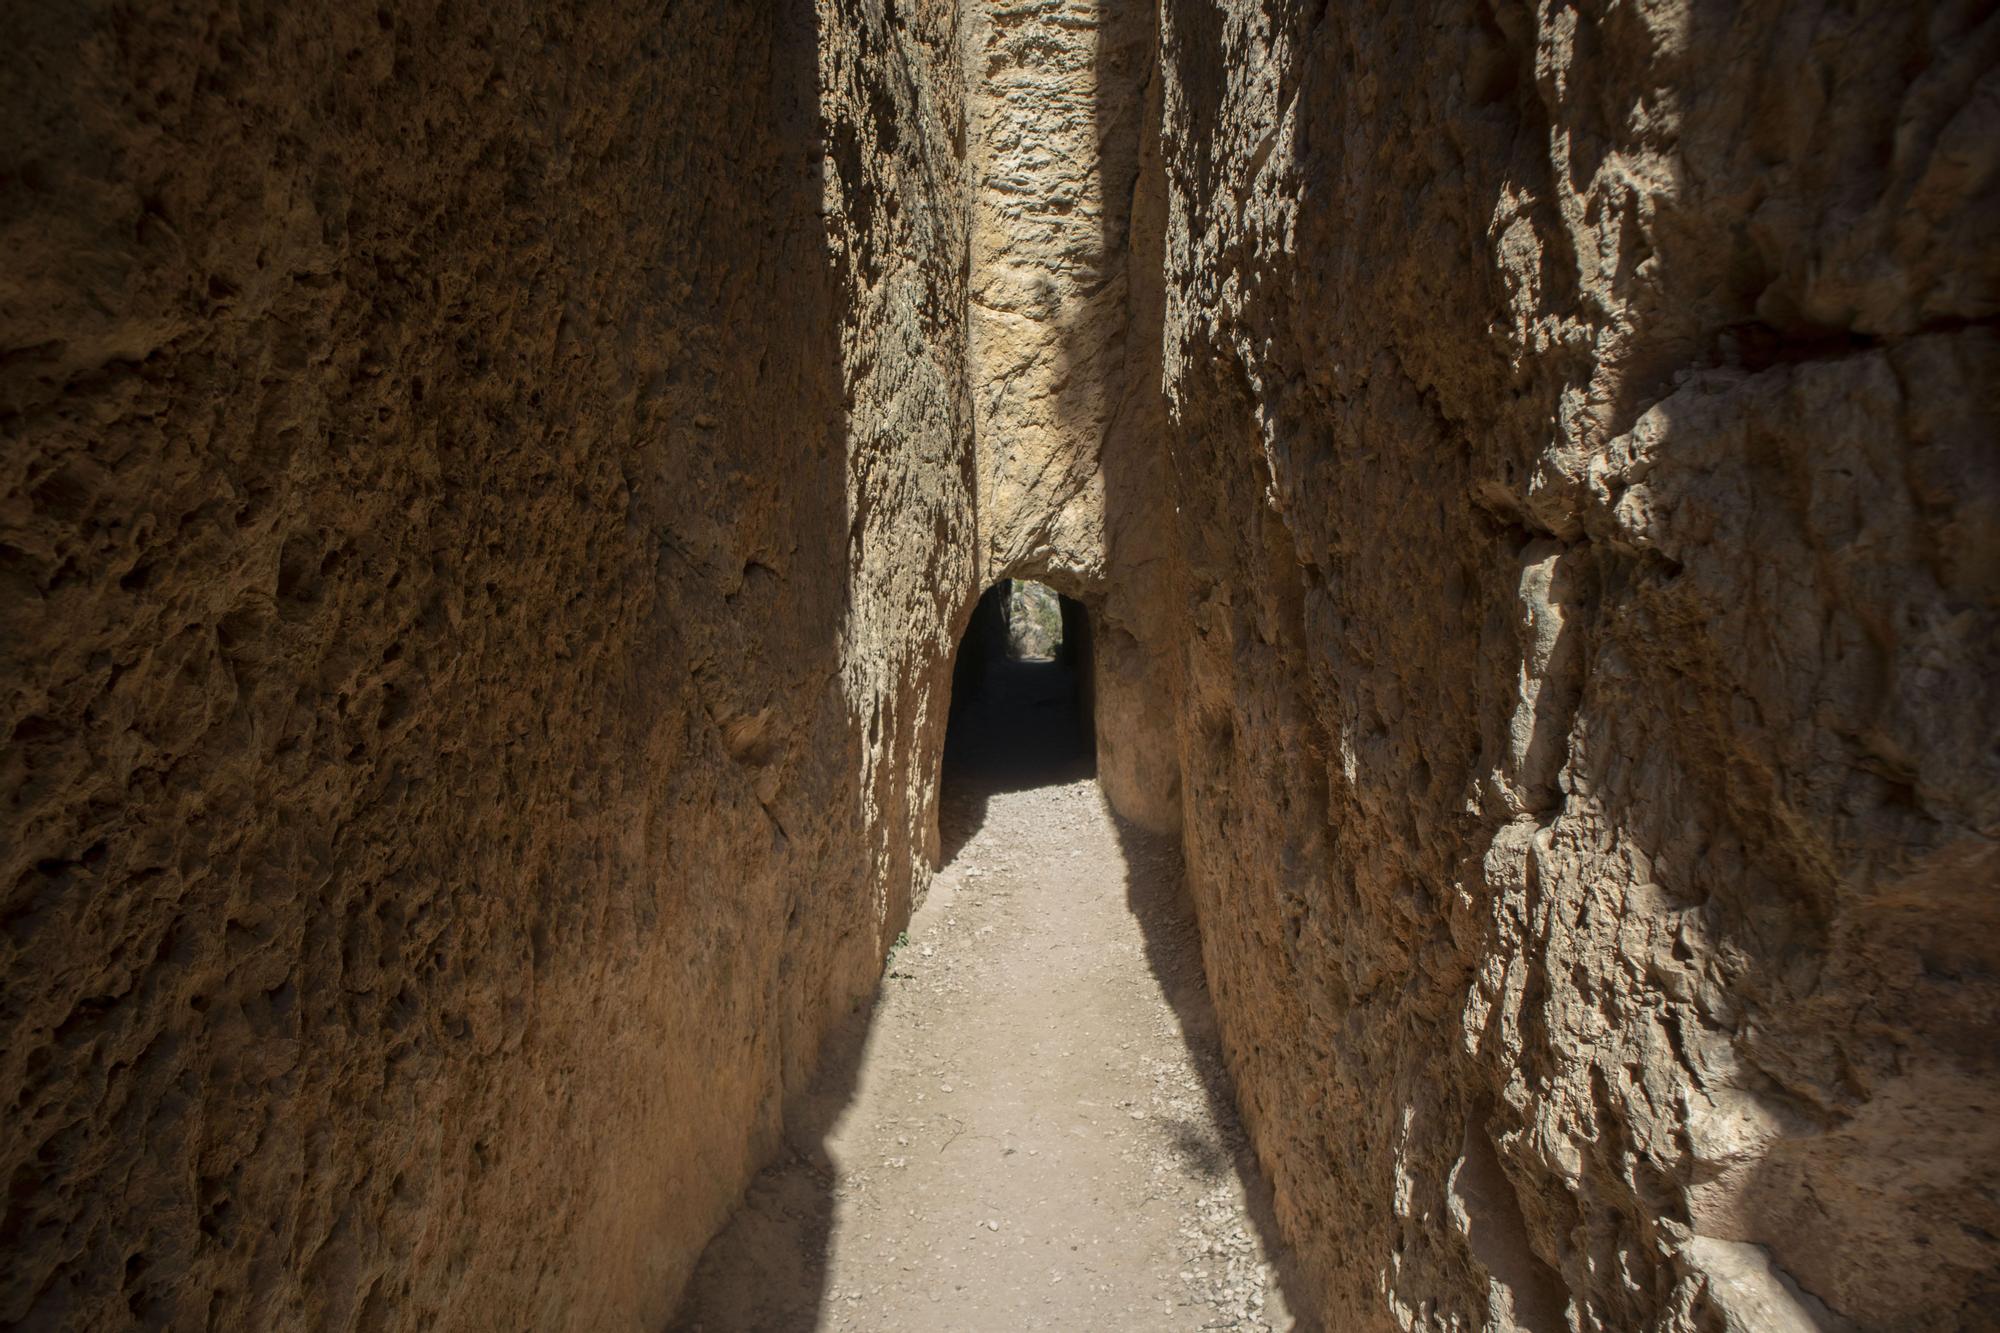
(1033, 1129)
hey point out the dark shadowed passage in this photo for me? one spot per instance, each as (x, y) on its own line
(1019, 718)
(1033, 1128)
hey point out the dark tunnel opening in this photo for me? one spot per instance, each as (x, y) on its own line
(1021, 704)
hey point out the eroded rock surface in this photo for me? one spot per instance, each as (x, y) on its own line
(1583, 427)
(484, 504)
(491, 493)
(1064, 339)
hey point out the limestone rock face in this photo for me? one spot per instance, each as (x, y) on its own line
(485, 497)
(1063, 328)
(1583, 429)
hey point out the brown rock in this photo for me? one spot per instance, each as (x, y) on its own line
(464, 649)
(1583, 428)
(491, 495)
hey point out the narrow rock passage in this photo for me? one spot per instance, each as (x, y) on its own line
(1034, 1130)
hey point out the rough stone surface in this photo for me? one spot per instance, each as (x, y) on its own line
(491, 494)
(1075, 1166)
(1583, 424)
(1063, 327)
(484, 504)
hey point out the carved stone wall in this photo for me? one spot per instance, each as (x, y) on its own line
(1583, 426)
(485, 499)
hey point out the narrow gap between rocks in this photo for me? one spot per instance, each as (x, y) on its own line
(1032, 1128)
(1020, 705)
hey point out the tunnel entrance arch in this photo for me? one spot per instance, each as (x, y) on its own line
(1022, 708)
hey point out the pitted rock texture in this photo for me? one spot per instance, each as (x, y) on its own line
(491, 494)
(1049, 287)
(1064, 338)
(485, 500)
(1582, 427)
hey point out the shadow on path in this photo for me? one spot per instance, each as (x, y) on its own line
(1156, 892)
(772, 1268)
(1020, 727)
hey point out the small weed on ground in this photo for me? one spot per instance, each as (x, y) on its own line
(889, 964)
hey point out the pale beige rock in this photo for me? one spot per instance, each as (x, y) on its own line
(1063, 331)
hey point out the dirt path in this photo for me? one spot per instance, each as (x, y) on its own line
(1034, 1131)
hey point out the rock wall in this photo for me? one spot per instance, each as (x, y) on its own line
(486, 492)
(490, 497)
(1063, 329)
(1582, 423)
